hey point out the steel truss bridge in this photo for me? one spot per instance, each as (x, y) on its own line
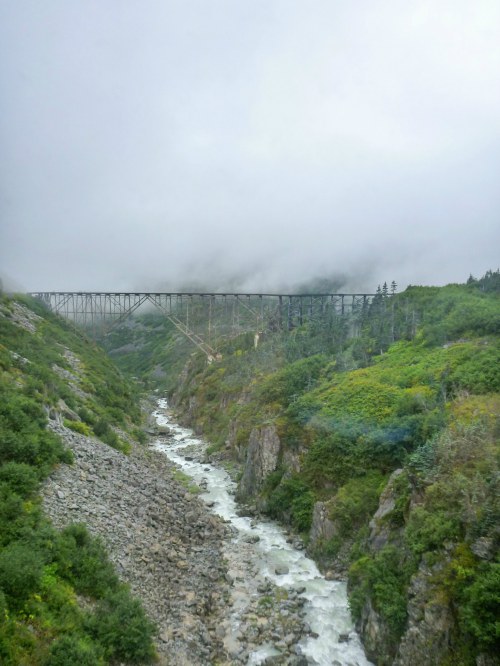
(205, 318)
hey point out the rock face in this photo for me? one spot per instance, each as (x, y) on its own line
(430, 624)
(322, 528)
(372, 628)
(380, 530)
(375, 636)
(426, 641)
(162, 540)
(262, 459)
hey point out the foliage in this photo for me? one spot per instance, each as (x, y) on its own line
(23, 436)
(75, 650)
(292, 497)
(82, 560)
(356, 502)
(106, 434)
(121, 626)
(21, 479)
(490, 282)
(480, 607)
(20, 572)
(41, 569)
(78, 426)
(140, 435)
(333, 459)
(384, 579)
(291, 381)
(427, 531)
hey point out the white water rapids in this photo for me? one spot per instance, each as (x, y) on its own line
(250, 563)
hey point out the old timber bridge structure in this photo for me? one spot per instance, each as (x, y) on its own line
(205, 318)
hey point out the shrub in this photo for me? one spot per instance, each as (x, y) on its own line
(78, 426)
(384, 580)
(3, 607)
(87, 416)
(12, 514)
(356, 502)
(140, 435)
(19, 477)
(333, 459)
(21, 570)
(101, 427)
(75, 650)
(82, 560)
(480, 608)
(23, 436)
(294, 500)
(426, 531)
(122, 627)
(292, 380)
(107, 435)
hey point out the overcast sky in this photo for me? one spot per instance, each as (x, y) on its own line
(150, 144)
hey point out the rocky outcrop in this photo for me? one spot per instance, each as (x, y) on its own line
(428, 637)
(426, 641)
(375, 635)
(262, 458)
(322, 528)
(327, 545)
(371, 626)
(162, 540)
(380, 528)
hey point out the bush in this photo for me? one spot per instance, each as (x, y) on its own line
(292, 499)
(426, 531)
(87, 416)
(384, 580)
(12, 514)
(3, 607)
(292, 380)
(75, 650)
(103, 430)
(83, 561)
(23, 436)
(22, 479)
(122, 627)
(333, 459)
(101, 427)
(356, 502)
(140, 435)
(480, 608)
(78, 426)
(21, 570)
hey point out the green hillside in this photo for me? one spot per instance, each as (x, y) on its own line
(56, 588)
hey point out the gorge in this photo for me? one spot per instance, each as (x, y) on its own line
(376, 448)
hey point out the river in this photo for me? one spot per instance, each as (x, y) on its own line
(257, 550)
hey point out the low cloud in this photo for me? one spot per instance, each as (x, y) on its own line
(250, 145)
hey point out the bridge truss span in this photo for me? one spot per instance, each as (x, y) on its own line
(205, 318)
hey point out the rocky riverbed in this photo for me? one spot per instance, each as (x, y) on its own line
(282, 610)
(168, 546)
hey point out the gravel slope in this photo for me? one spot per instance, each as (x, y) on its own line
(162, 539)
